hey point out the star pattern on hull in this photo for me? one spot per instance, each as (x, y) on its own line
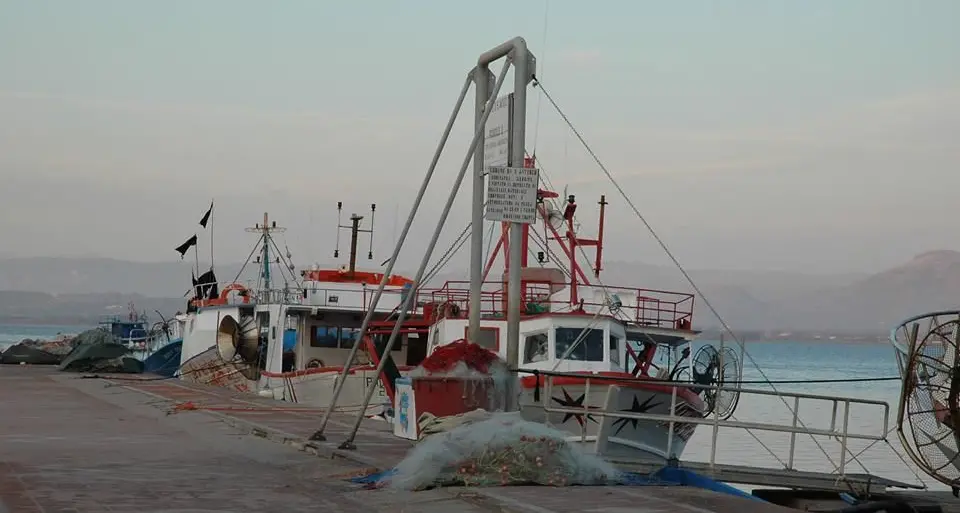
(569, 402)
(636, 407)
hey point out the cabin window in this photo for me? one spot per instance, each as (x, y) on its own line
(536, 348)
(348, 336)
(589, 348)
(326, 336)
(489, 337)
(614, 350)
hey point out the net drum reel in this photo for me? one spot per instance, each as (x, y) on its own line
(927, 349)
(238, 343)
(716, 368)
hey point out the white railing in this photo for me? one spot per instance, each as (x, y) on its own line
(841, 407)
(357, 298)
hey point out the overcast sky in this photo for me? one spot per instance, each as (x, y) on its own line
(815, 136)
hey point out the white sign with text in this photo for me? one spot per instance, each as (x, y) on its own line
(512, 194)
(496, 144)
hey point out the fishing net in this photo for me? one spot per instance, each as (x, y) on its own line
(446, 358)
(486, 378)
(502, 449)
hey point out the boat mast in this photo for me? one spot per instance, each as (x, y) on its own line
(355, 232)
(266, 253)
(266, 238)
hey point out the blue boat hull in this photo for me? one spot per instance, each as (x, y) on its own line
(164, 361)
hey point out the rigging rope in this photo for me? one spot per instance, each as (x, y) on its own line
(686, 275)
(446, 256)
(813, 381)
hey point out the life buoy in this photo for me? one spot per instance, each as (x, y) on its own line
(244, 292)
(315, 363)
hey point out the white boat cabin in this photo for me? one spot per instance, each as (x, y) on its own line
(607, 344)
(315, 327)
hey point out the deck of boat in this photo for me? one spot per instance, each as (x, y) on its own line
(136, 444)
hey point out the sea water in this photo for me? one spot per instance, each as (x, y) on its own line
(779, 361)
(11, 334)
(812, 361)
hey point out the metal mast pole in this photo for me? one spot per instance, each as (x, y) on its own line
(524, 64)
(483, 81)
(348, 443)
(266, 254)
(522, 74)
(338, 387)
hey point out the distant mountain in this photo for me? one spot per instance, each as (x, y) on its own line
(747, 300)
(79, 309)
(103, 275)
(930, 281)
(788, 301)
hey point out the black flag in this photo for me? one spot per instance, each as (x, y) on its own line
(182, 249)
(206, 217)
(206, 285)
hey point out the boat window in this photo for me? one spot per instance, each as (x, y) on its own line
(489, 337)
(614, 350)
(589, 348)
(326, 336)
(535, 348)
(348, 336)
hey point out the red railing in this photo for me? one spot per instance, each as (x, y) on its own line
(648, 307)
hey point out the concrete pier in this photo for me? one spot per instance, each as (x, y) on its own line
(133, 445)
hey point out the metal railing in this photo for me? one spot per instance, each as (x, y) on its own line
(843, 433)
(649, 307)
(332, 297)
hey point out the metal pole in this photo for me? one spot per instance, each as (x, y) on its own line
(348, 443)
(318, 435)
(523, 74)
(354, 233)
(483, 81)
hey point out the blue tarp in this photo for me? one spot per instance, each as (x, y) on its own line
(684, 477)
(667, 476)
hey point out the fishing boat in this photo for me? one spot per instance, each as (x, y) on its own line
(580, 347)
(136, 332)
(585, 345)
(609, 364)
(288, 336)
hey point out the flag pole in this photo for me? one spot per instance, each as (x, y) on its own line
(211, 234)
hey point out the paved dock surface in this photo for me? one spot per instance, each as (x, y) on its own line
(75, 445)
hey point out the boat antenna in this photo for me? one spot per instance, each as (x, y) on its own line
(266, 239)
(355, 232)
(373, 212)
(336, 249)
